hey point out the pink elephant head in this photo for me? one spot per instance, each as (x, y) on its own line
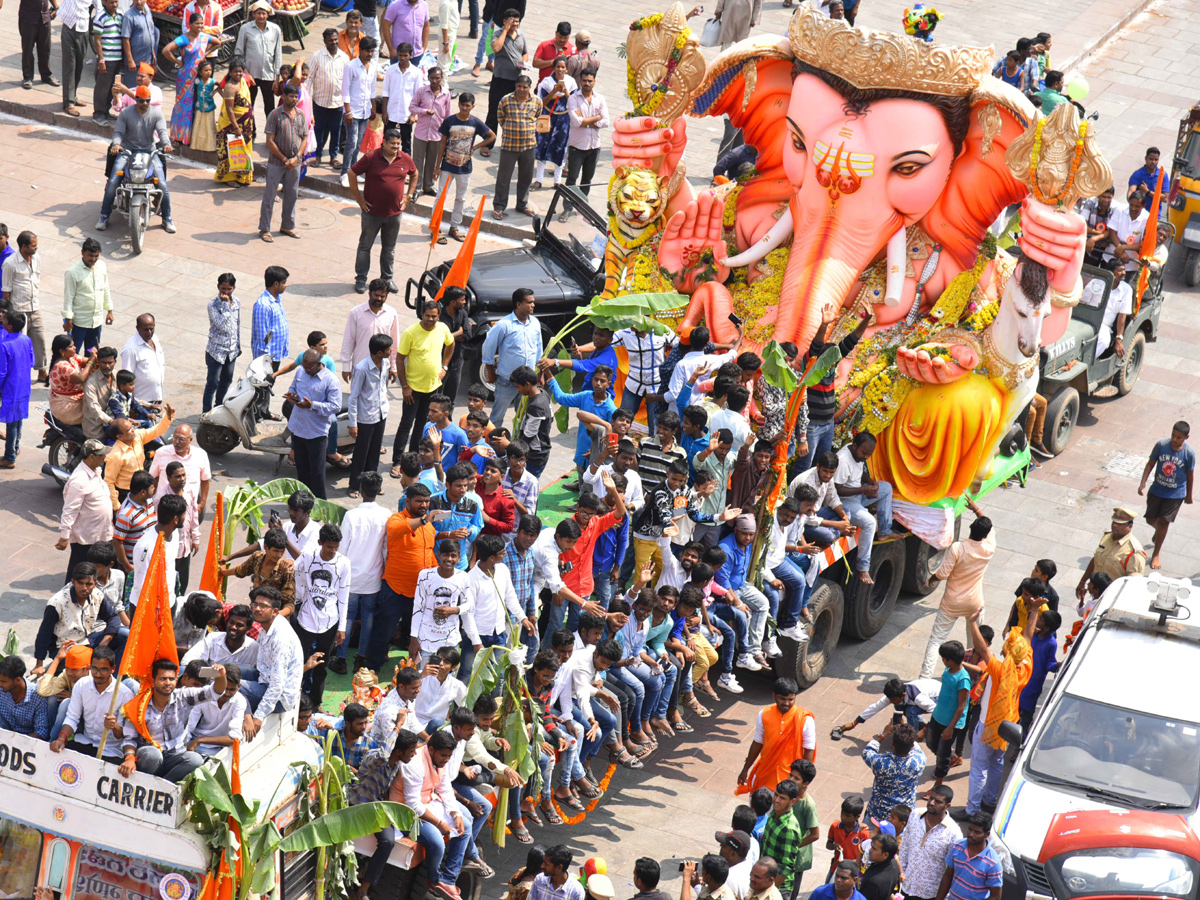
(864, 134)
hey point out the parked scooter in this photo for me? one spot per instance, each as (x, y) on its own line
(243, 417)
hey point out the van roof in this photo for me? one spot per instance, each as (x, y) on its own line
(1129, 644)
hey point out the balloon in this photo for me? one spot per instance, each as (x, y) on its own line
(596, 865)
(1078, 88)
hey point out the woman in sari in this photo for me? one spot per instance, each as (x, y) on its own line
(68, 372)
(552, 145)
(185, 53)
(236, 119)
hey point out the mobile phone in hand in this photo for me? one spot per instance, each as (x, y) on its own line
(208, 672)
(735, 319)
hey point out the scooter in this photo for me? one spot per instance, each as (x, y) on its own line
(139, 194)
(244, 417)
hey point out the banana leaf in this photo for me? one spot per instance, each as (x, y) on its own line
(347, 824)
(776, 370)
(825, 364)
(633, 305)
(12, 644)
(209, 788)
(486, 673)
(639, 322)
(517, 734)
(562, 415)
(258, 859)
(244, 506)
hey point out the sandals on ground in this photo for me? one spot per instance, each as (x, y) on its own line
(552, 815)
(695, 706)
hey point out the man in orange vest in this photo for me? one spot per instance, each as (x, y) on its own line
(784, 733)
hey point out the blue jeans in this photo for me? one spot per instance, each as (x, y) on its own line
(515, 795)
(631, 402)
(856, 508)
(820, 440)
(506, 397)
(362, 607)
(795, 590)
(12, 439)
(114, 181)
(652, 684)
(85, 338)
(738, 623)
(443, 859)
(636, 689)
(556, 618)
(602, 593)
(352, 139)
(569, 766)
(485, 36)
(822, 534)
(220, 376)
(393, 609)
(987, 769)
(670, 674)
(729, 639)
(474, 824)
(607, 721)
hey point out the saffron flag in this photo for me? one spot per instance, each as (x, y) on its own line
(460, 270)
(435, 221)
(151, 637)
(209, 580)
(1149, 241)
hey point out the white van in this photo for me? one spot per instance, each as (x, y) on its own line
(1102, 798)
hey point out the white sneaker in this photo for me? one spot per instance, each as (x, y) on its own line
(749, 663)
(771, 648)
(796, 633)
(345, 180)
(102, 223)
(730, 683)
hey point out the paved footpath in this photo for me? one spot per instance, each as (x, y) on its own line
(51, 182)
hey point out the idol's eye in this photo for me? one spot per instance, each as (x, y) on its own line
(908, 168)
(797, 137)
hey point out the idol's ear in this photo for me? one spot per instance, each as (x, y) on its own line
(981, 185)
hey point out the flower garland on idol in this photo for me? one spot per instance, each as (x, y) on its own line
(658, 92)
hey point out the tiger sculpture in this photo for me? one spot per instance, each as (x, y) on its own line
(637, 200)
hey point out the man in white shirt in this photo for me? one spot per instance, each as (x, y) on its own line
(859, 490)
(358, 101)
(217, 723)
(397, 711)
(441, 606)
(172, 510)
(144, 357)
(579, 687)
(693, 359)
(548, 566)
(280, 664)
(229, 646)
(907, 700)
(1116, 312)
(735, 850)
(439, 690)
(326, 69)
(1126, 227)
(926, 840)
(623, 464)
(493, 598)
(400, 84)
(90, 701)
(834, 521)
(322, 596)
(364, 534)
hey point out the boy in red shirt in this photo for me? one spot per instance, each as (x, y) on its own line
(847, 834)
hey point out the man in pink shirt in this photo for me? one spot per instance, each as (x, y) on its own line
(366, 320)
(195, 462)
(409, 21)
(962, 570)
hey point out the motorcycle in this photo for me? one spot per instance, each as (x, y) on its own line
(244, 417)
(65, 452)
(139, 194)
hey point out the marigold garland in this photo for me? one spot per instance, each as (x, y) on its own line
(603, 786)
(751, 300)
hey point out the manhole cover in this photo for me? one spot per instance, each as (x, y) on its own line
(315, 219)
(1125, 464)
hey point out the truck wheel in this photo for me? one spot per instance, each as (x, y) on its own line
(216, 439)
(1135, 355)
(1061, 414)
(396, 882)
(1191, 268)
(469, 884)
(807, 662)
(868, 606)
(921, 561)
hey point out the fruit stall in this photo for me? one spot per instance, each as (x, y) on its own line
(289, 15)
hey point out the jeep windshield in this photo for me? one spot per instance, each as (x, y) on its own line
(1118, 755)
(582, 235)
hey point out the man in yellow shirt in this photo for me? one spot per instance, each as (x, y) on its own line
(421, 361)
(128, 453)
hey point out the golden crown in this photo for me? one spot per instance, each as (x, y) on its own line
(873, 60)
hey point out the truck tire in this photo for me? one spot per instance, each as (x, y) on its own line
(921, 561)
(1061, 414)
(1135, 355)
(396, 882)
(806, 662)
(868, 606)
(1191, 268)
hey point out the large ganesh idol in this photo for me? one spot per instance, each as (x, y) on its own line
(881, 165)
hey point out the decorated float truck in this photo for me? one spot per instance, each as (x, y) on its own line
(72, 825)
(882, 161)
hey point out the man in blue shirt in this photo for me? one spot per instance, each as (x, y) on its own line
(1146, 178)
(1045, 650)
(514, 341)
(602, 354)
(316, 399)
(448, 438)
(269, 326)
(596, 402)
(465, 508)
(139, 41)
(735, 576)
(1173, 464)
(973, 871)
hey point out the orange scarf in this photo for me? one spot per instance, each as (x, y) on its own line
(783, 742)
(1009, 676)
(135, 712)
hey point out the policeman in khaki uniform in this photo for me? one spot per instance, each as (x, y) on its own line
(1119, 553)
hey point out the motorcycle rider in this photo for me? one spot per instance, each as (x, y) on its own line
(136, 130)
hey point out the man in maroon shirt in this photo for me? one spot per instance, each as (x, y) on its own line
(390, 186)
(499, 512)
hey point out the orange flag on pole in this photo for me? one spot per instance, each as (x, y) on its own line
(1149, 241)
(435, 221)
(209, 580)
(460, 269)
(151, 637)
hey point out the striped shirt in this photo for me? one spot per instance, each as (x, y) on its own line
(520, 569)
(224, 329)
(269, 319)
(325, 72)
(646, 353)
(974, 876)
(525, 491)
(108, 29)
